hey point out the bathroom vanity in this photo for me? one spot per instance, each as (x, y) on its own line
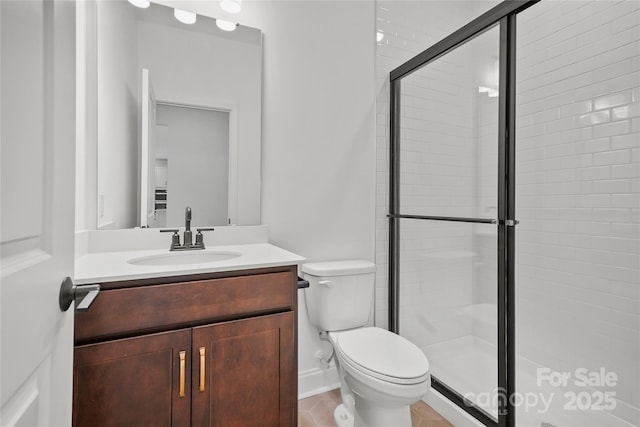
(207, 345)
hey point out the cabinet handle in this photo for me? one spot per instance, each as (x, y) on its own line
(202, 367)
(183, 368)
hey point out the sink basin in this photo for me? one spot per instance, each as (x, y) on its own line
(185, 258)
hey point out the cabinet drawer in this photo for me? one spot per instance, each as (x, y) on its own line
(119, 312)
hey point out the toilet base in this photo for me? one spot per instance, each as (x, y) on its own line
(373, 417)
(372, 414)
(342, 417)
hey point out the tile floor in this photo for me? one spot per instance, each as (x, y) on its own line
(317, 411)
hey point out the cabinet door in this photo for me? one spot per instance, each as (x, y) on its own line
(244, 373)
(143, 381)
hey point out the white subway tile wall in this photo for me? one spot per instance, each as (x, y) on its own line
(578, 191)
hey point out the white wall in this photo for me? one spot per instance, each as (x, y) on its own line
(118, 99)
(318, 135)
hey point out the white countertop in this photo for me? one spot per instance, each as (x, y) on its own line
(98, 267)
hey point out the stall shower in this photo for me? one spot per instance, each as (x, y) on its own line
(514, 208)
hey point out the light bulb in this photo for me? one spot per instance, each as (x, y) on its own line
(225, 25)
(184, 16)
(143, 4)
(231, 6)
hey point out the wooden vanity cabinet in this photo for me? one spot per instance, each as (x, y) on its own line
(219, 350)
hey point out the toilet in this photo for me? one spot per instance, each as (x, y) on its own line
(381, 373)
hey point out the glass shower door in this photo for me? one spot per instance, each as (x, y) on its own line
(446, 207)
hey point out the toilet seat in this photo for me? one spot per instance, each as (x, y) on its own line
(383, 355)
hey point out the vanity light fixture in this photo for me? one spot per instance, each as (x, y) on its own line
(143, 4)
(231, 6)
(225, 25)
(184, 16)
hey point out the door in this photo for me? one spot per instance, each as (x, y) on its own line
(243, 373)
(198, 150)
(37, 117)
(147, 152)
(135, 381)
(444, 221)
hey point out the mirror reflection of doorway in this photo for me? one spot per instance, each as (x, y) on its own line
(191, 165)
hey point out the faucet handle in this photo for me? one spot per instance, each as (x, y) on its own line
(199, 230)
(199, 236)
(169, 230)
(175, 239)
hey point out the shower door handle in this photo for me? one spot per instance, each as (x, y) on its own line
(507, 222)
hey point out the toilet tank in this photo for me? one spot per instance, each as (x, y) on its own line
(340, 293)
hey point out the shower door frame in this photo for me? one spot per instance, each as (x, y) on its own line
(504, 15)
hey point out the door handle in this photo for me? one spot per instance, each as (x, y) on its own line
(84, 295)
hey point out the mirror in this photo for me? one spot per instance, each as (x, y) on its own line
(178, 119)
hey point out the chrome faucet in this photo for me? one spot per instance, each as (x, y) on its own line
(188, 235)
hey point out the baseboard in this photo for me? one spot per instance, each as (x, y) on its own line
(450, 411)
(316, 381)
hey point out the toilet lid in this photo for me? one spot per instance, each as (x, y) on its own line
(384, 355)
